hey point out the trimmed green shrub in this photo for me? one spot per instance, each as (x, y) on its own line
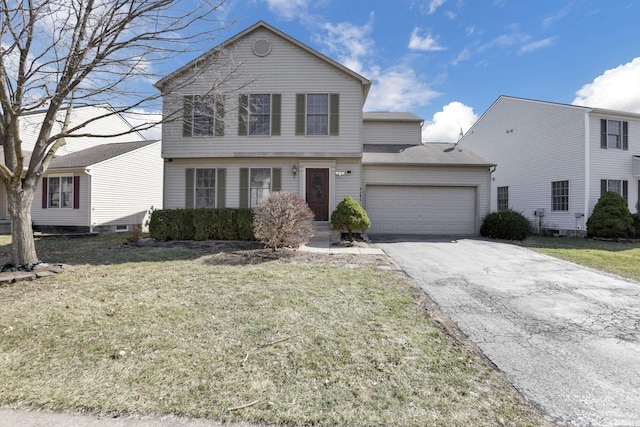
(508, 225)
(201, 224)
(351, 216)
(610, 218)
(283, 220)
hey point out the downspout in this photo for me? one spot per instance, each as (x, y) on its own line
(587, 168)
(89, 198)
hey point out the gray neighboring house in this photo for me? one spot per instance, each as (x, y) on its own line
(291, 119)
(105, 188)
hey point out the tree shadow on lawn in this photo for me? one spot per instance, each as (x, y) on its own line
(114, 249)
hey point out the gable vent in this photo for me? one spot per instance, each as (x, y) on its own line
(262, 47)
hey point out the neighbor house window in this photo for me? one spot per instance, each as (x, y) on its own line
(203, 115)
(205, 188)
(257, 183)
(60, 192)
(560, 196)
(614, 134)
(616, 185)
(503, 198)
(317, 114)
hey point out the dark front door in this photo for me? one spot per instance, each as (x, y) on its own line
(318, 193)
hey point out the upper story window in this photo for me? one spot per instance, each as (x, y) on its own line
(560, 196)
(503, 198)
(259, 114)
(203, 115)
(317, 114)
(614, 134)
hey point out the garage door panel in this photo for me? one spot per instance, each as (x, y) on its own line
(421, 210)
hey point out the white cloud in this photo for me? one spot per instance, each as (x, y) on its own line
(446, 124)
(616, 89)
(464, 55)
(434, 5)
(288, 9)
(398, 89)
(539, 44)
(427, 43)
(349, 42)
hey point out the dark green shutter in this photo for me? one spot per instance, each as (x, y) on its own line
(625, 135)
(187, 115)
(301, 110)
(189, 191)
(625, 190)
(221, 184)
(603, 187)
(243, 115)
(219, 120)
(334, 114)
(276, 107)
(276, 179)
(244, 187)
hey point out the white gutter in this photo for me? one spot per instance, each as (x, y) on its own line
(587, 168)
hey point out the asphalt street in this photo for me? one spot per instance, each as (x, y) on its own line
(567, 337)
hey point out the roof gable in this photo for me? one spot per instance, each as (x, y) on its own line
(262, 25)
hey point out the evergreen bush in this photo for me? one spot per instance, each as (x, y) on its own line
(351, 216)
(508, 225)
(610, 218)
(201, 224)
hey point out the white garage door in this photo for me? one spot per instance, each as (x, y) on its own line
(421, 210)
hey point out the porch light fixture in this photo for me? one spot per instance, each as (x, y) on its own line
(294, 170)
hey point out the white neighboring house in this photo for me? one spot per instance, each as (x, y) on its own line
(290, 119)
(556, 160)
(106, 188)
(95, 184)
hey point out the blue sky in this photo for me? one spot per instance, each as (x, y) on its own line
(448, 60)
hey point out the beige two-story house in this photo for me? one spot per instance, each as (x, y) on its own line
(263, 112)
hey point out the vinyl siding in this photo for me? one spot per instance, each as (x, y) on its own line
(347, 185)
(478, 177)
(612, 163)
(287, 70)
(64, 217)
(391, 132)
(534, 143)
(30, 126)
(124, 188)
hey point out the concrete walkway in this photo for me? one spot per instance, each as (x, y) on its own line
(321, 243)
(567, 337)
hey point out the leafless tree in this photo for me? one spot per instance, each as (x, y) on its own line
(59, 54)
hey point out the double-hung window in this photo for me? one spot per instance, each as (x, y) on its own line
(317, 114)
(560, 196)
(503, 198)
(259, 114)
(203, 115)
(614, 134)
(205, 188)
(257, 183)
(619, 186)
(60, 192)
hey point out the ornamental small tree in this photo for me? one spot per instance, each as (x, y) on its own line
(351, 216)
(610, 218)
(283, 219)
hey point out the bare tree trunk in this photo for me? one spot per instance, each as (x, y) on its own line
(23, 248)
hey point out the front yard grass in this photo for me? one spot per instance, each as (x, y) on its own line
(237, 334)
(621, 258)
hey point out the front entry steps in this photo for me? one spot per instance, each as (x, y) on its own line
(325, 233)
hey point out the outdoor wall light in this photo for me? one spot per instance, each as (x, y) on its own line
(294, 170)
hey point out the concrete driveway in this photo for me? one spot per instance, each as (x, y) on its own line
(567, 337)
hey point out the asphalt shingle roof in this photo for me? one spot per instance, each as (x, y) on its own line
(434, 154)
(384, 116)
(97, 154)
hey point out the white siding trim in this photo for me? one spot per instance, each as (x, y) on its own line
(587, 168)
